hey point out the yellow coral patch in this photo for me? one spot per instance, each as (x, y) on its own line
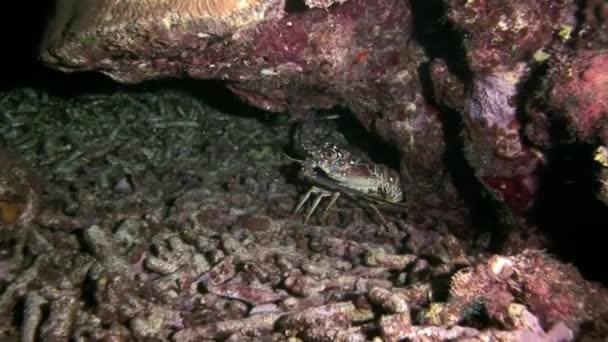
(9, 212)
(601, 156)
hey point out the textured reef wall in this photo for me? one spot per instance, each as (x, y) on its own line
(140, 215)
(528, 66)
(152, 216)
(359, 55)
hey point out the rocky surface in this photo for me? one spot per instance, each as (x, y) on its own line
(160, 212)
(404, 69)
(162, 218)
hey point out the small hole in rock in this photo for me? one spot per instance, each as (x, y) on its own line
(378, 150)
(295, 6)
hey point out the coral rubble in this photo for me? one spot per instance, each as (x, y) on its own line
(190, 252)
(152, 215)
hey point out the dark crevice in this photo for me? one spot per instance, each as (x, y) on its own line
(212, 92)
(217, 95)
(23, 26)
(581, 7)
(377, 149)
(352, 132)
(18, 315)
(439, 38)
(295, 6)
(442, 41)
(567, 209)
(485, 213)
(527, 90)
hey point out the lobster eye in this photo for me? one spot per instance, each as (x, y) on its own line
(332, 155)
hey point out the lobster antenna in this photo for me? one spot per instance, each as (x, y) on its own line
(293, 159)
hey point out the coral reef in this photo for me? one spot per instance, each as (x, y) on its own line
(160, 244)
(555, 292)
(19, 193)
(322, 3)
(356, 54)
(501, 40)
(367, 57)
(577, 88)
(153, 216)
(570, 106)
(502, 34)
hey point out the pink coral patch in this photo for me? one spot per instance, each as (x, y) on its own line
(584, 92)
(515, 191)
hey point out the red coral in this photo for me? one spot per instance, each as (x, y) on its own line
(580, 89)
(514, 190)
(504, 33)
(554, 291)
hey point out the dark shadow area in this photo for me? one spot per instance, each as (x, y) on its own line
(66, 85)
(568, 210)
(323, 123)
(18, 314)
(215, 94)
(22, 26)
(20, 66)
(439, 38)
(485, 213)
(376, 148)
(295, 6)
(62, 84)
(526, 91)
(582, 6)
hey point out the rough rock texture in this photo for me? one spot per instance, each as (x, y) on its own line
(142, 34)
(515, 72)
(19, 192)
(359, 55)
(570, 105)
(165, 219)
(554, 292)
(299, 57)
(501, 40)
(502, 34)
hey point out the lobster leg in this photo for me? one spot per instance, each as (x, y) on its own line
(332, 200)
(315, 204)
(381, 220)
(304, 199)
(320, 194)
